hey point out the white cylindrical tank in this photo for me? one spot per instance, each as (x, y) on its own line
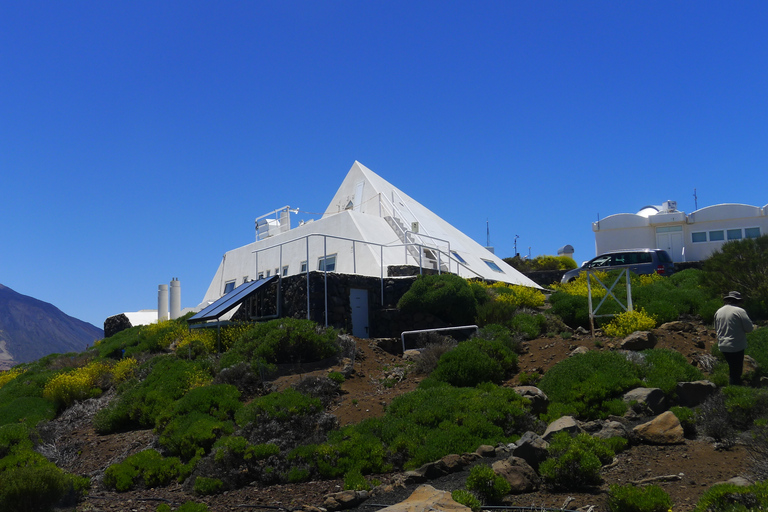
(162, 302)
(175, 298)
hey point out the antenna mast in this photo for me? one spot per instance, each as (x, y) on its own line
(695, 200)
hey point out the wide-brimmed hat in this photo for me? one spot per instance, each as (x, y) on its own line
(732, 296)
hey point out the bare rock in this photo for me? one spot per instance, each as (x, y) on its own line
(578, 350)
(562, 424)
(344, 500)
(425, 499)
(651, 399)
(531, 448)
(639, 340)
(521, 476)
(678, 326)
(486, 450)
(539, 400)
(691, 394)
(663, 429)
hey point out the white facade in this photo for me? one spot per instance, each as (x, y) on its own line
(368, 226)
(686, 237)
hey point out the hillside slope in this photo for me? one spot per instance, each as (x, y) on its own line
(31, 329)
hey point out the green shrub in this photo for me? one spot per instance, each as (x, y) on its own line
(281, 406)
(337, 377)
(575, 462)
(530, 326)
(590, 384)
(687, 419)
(544, 262)
(495, 312)
(474, 361)
(283, 340)
(663, 368)
(446, 296)
(740, 265)
(188, 506)
(466, 498)
(573, 309)
(207, 486)
(141, 404)
(419, 427)
(191, 425)
(31, 484)
(733, 498)
(148, 468)
(484, 482)
(628, 498)
(757, 348)
(355, 481)
(744, 405)
(29, 409)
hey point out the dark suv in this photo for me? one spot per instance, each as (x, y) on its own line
(639, 261)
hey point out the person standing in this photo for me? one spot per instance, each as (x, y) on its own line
(732, 325)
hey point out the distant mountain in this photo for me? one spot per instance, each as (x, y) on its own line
(31, 329)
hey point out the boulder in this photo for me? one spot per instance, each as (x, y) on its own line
(519, 474)
(612, 429)
(678, 326)
(562, 424)
(531, 448)
(639, 340)
(486, 450)
(344, 500)
(578, 350)
(539, 399)
(651, 399)
(425, 499)
(691, 394)
(663, 429)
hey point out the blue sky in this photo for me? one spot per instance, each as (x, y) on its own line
(140, 139)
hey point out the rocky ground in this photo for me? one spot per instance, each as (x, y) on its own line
(685, 471)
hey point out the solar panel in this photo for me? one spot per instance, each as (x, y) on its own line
(230, 300)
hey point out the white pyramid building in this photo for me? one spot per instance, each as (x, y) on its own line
(368, 226)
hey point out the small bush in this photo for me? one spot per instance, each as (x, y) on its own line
(474, 361)
(628, 498)
(732, 498)
(430, 355)
(206, 486)
(530, 326)
(355, 481)
(148, 468)
(284, 340)
(590, 385)
(687, 419)
(628, 322)
(575, 462)
(446, 296)
(36, 485)
(489, 486)
(65, 388)
(466, 498)
(663, 368)
(280, 406)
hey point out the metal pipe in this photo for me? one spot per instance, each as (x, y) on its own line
(402, 335)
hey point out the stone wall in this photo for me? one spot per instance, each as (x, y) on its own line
(384, 319)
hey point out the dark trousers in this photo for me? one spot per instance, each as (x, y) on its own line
(735, 362)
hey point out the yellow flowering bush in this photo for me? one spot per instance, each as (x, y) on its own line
(515, 295)
(628, 322)
(124, 369)
(579, 285)
(166, 332)
(197, 378)
(8, 376)
(65, 388)
(203, 341)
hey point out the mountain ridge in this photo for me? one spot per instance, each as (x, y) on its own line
(31, 329)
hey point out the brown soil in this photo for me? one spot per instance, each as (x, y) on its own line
(684, 471)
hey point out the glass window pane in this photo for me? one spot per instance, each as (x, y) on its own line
(228, 287)
(701, 236)
(493, 266)
(716, 236)
(734, 234)
(751, 232)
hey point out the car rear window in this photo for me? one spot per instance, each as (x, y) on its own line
(663, 257)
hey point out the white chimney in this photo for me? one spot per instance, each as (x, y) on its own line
(162, 302)
(175, 298)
